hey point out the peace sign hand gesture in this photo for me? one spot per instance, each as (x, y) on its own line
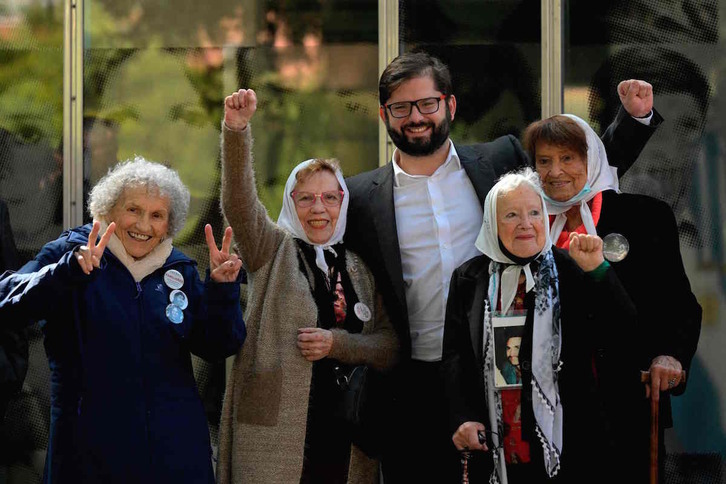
(223, 266)
(89, 256)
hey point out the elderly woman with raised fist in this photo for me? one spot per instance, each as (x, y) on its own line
(569, 309)
(583, 196)
(312, 310)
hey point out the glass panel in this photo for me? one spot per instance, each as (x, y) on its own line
(677, 48)
(493, 51)
(155, 86)
(31, 183)
(31, 120)
(156, 74)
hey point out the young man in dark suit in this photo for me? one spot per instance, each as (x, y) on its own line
(415, 220)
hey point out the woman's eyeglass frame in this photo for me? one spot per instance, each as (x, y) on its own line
(321, 195)
(411, 104)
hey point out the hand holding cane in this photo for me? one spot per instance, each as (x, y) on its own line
(654, 407)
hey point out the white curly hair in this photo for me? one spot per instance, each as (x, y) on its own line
(140, 172)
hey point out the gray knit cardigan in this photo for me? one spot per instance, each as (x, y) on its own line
(262, 430)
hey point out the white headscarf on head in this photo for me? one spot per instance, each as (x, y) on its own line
(546, 331)
(600, 176)
(289, 220)
(488, 243)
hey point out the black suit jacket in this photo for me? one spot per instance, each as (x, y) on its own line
(371, 228)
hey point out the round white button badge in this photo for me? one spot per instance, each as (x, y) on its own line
(173, 279)
(362, 311)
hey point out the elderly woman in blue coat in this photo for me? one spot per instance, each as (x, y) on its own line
(123, 313)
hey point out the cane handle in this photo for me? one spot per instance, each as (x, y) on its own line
(645, 376)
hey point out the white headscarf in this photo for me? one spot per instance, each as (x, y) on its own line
(488, 240)
(289, 220)
(546, 333)
(600, 176)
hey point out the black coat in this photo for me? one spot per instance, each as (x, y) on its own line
(593, 315)
(668, 313)
(371, 229)
(669, 316)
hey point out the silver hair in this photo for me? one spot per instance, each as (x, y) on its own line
(513, 180)
(140, 172)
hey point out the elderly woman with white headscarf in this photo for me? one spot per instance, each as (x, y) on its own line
(122, 314)
(311, 306)
(555, 425)
(641, 235)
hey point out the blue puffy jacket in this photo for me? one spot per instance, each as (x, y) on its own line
(124, 404)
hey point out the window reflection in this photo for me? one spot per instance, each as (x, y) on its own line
(676, 47)
(155, 80)
(495, 67)
(31, 183)
(666, 168)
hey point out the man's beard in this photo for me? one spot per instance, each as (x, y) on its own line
(421, 146)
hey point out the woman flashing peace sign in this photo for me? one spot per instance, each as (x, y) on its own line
(122, 314)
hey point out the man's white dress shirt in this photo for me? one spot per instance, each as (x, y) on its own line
(438, 218)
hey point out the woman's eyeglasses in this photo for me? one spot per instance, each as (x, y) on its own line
(307, 199)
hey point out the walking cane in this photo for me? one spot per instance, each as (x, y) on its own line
(465, 456)
(654, 409)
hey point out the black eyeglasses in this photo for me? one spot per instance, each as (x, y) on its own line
(427, 105)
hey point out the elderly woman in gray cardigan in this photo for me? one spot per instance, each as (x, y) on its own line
(312, 305)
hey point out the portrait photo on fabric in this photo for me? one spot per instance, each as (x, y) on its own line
(508, 332)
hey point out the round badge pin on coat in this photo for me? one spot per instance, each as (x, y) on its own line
(615, 247)
(362, 311)
(179, 299)
(174, 314)
(173, 279)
